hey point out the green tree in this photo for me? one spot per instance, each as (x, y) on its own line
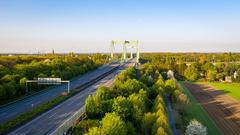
(170, 86)
(104, 93)
(112, 124)
(211, 75)
(191, 73)
(148, 121)
(85, 126)
(3, 93)
(22, 82)
(94, 131)
(92, 107)
(123, 107)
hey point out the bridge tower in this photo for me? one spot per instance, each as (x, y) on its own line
(125, 45)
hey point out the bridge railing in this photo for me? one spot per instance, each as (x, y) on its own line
(66, 125)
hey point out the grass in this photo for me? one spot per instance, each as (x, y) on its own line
(196, 111)
(232, 89)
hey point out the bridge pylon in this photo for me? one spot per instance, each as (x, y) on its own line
(125, 45)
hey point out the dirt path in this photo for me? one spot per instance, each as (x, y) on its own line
(223, 109)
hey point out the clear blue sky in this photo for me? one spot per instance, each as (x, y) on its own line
(89, 25)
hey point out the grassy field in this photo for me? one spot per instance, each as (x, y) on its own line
(197, 112)
(232, 89)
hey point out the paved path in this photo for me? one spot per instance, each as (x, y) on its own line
(13, 110)
(50, 120)
(170, 114)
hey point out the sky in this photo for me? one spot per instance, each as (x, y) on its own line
(88, 26)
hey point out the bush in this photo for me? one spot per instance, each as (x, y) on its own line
(195, 128)
(84, 126)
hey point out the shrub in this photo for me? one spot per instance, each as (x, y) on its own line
(84, 126)
(195, 128)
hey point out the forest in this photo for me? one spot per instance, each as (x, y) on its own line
(199, 66)
(15, 70)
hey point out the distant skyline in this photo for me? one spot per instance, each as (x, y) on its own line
(87, 26)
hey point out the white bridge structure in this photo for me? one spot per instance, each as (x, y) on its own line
(48, 81)
(125, 46)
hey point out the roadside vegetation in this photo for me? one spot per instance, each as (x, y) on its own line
(132, 105)
(15, 70)
(136, 105)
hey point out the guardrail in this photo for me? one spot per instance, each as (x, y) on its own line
(66, 125)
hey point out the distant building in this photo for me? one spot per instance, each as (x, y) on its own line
(235, 75)
(170, 74)
(228, 79)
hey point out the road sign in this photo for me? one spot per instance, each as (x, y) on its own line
(49, 80)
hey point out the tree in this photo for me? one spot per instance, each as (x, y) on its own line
(191, 73)
(3, 70)
(92, 110)
(104, 93)
(211, 75)
(22, 82)
(139, 100)
(161, 131)
(85, 126)
(123, 107)
(112, 124)
(3, 93)
(195, 128)
(148, 120)
(160, 82)
(131, 86)
(220, 76)
(170, 86)
(95, 131)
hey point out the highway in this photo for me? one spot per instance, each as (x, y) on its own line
(13, 110)
(52, 119)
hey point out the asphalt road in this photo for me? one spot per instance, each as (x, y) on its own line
(13, 110)
(50, 120)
